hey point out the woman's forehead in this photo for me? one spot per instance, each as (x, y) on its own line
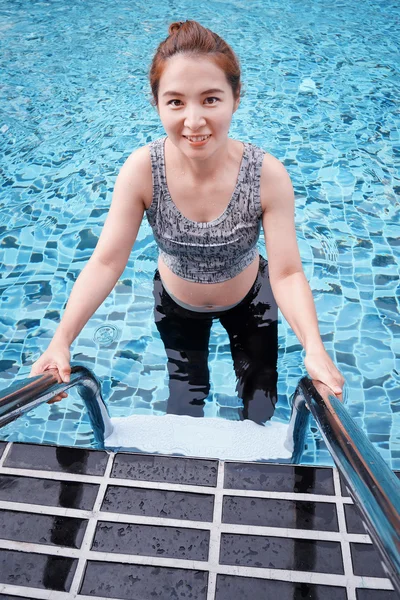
(186, 70)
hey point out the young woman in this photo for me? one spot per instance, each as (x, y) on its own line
(205, 196)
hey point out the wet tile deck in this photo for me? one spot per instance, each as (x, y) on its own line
(87, 524)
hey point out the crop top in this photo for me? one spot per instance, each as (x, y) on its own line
(213, 251)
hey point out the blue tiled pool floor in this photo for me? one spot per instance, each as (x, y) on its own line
(321, 88)
(77, 523)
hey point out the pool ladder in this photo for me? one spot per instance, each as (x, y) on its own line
(373, 486)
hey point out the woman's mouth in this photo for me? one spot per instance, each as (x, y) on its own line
(197, 140)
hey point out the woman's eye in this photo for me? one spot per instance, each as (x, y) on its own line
(172, 102)
(212, 100)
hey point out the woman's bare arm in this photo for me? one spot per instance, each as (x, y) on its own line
(109, 258)
(289, 284)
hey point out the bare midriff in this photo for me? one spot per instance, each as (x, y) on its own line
(209, 295)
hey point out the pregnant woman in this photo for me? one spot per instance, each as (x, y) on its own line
(205, 196)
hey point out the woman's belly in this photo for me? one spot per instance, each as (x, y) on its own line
(209, 295)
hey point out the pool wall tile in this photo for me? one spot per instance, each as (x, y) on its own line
(166, 469)
(43, 529)
(115, 580)
(159, 503)
(37, 570)
(293, 514)
(278, 478)
(131, 525)
(67, 494)
(281, 553)
(56, 458)
(151, 540)
(240, 588)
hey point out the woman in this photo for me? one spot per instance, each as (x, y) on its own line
(205, 196)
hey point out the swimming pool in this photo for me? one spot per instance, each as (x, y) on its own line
(321, 84)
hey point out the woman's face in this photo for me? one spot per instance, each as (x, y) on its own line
(195, 104)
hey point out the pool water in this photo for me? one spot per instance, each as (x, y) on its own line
(321, 94)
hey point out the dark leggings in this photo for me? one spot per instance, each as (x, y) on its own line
(253, 335)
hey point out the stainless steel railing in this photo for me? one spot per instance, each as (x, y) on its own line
(32, 391)
(374, 487)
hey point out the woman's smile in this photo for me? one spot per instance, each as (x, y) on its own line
(197, 140)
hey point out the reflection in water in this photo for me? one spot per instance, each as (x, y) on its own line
(64, 533)
(252, 328)
(305, 555)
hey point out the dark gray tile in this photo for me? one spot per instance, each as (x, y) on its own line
(37, 570)
(41, 529)
(279, 478)
(269, 512)
(3, 597)
(2, 446)
(281, 553)
(60, 458)
(151, 540)
(159, 503)
(142, 582)
(230, 587)
(191, 471)
(343, 487)
(366, 560)
(364, 594)
(48, 492)
(354, 521)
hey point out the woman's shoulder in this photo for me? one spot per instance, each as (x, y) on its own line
(136, 171)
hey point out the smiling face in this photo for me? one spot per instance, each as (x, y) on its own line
(195, 104)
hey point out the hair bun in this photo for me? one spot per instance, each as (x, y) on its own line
(174, 27)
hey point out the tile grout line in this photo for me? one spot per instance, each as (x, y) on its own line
(90, 530)
(215, 533)
(255, 530)
(344, 543)
(155, 485)
(5, 453)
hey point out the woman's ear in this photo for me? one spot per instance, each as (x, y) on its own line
(236, 104)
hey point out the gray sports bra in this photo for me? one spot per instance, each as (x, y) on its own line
(214, 251)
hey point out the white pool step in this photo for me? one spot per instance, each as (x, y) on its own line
(201, 437)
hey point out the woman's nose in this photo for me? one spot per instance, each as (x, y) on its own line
(194, 119)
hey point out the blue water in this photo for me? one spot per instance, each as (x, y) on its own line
(321, 94)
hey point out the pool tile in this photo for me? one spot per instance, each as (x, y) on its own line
(278, 478)
(42, 529)
(151, 540)
(48, 492)
(2, 447)
(158, 503)
(364, 594)
(167, 469)
(115, 580)
(57, 458)
(267, 512)
(366, 560)
(37, 570)
(61, 458)
(354, 521)
(3, 597)
(281, 553)
(230, 587)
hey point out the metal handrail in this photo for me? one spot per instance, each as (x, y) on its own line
(32, 391)
(374, 487)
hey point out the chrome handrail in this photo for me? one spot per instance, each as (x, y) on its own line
(28, 393)
(374, 487)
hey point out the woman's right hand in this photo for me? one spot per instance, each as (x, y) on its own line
(56, 358)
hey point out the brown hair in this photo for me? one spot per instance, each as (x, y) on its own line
(190, 37)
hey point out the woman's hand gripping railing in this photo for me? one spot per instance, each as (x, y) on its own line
(373, 486)
(28, 393)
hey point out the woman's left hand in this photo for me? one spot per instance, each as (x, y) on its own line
(321, 367)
